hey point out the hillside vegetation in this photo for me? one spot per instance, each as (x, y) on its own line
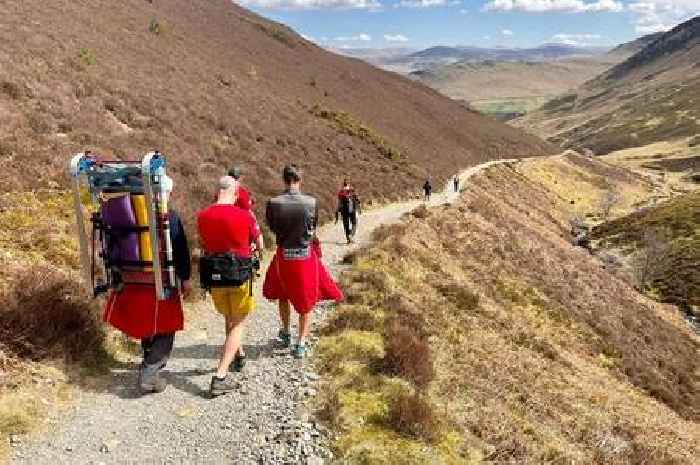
(650, 97)
(211, 84)
(476, 333)
(672, 230)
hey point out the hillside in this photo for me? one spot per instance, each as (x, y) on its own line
(650, 97)
(476, 333)
(211, 84)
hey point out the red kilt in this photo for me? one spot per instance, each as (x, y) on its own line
(303, 282)
(137, 313)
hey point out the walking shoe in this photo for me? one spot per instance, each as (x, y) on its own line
(299, 351)
(222, 386)
(153, 385)
(284, 338)
(238, 363)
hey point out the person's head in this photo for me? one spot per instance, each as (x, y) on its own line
(235, 173)
(346, 184)
(292, 175)
(228, 189)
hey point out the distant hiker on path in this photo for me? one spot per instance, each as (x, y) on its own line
(226, 232)
(427, 189)
(296, 274)
(455, 183)
(348, 207)
(134, 310)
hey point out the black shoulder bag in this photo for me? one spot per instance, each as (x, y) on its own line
(224, 270)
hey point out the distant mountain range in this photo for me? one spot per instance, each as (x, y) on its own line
(406, 61)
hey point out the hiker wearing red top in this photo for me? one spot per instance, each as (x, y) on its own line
(227, 233)
(243, 199)
(296, 274)
(348, 208)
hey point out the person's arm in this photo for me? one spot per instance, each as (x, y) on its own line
(270, 217)
(181, 252)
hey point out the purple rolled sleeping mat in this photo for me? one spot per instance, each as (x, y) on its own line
(118, 212)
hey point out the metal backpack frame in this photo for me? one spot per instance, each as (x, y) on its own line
(146, 177)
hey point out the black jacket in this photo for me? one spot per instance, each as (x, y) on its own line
(181, 248)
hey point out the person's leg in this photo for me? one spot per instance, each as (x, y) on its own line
(304, 328)
(347, 227)
(157, 350)
(353, 224)
(234, 334)
(285, 314)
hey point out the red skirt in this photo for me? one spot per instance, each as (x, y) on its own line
(303, 282)
(136, 312)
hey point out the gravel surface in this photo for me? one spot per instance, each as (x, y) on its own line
(265, 422)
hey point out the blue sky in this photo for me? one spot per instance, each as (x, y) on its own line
(518, 23)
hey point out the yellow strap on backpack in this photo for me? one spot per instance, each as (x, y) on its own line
(145, 249)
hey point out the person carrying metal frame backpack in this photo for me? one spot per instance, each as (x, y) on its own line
(138, 255)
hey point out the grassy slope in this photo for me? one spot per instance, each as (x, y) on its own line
(677, 279)
(539, 355)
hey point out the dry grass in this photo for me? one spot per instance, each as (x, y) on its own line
(547, 358)
(407, 354)
(414, 416)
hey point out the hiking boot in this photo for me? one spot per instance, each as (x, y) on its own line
(222, 386)
(238, 363)
(299, 351)
(284, 338)
(153, 385)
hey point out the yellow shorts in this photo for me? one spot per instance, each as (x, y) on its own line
(233, 301)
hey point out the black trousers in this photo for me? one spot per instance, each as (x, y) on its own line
(350, 224)
(156, 351)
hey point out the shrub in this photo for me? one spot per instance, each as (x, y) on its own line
(49, 317)
(12, 90)
(459, 295)
(406, 354)
(87, 56)
(357, 318)
(414, 415)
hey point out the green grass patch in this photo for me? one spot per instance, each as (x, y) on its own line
(347, 124)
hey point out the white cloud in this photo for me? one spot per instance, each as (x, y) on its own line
(507, 32)
(575, 39)
(420, 3)
(309, 38)
(463, 11)
(395, 38)
(662, 15)
(356, 38)
(562, 6)
(312, 4)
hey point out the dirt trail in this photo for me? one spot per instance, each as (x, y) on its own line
(264, 422)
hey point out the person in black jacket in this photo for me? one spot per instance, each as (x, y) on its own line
(348, 207)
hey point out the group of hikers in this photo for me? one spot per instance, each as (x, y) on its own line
(428, 188)
(232, 246)
(232, 250)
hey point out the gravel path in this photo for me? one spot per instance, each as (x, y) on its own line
(264, 422)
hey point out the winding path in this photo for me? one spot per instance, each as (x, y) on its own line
(264, 422)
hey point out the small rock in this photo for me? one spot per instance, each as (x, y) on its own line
(15, 440)
(104, 448)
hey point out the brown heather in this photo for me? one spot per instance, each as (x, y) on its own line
(540, 354)
(212, 85)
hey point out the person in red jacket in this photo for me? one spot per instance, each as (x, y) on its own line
(243, 199)
(226, 228)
